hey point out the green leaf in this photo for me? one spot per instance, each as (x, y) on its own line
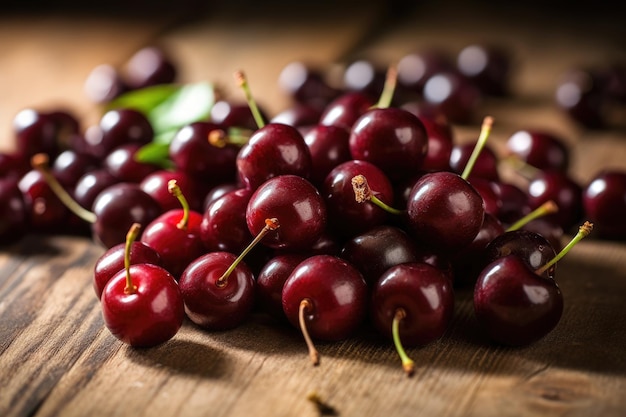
(144, 99)
(190, 103)
(155, 153)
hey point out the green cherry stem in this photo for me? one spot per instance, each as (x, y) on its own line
(407, 363)
(391, 80)
(270, 224)
(234, 136)
(485, 131)
(583, 231)
(546, 208)
(175, 190)
(242, 82)
(41, 163)
(131, 236)
(363, 193)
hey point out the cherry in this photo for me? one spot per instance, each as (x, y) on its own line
(298, 115)
(218, 288)
(297, 205)
(305, 83)
(604, 202)
(104, 83)
(90, 185)
(344, 110)
(378, 249)
(175, 234)
(392, 139)
(486, 165)
(559, 187)
(516, 304)
(580, 94)
(35, 132)
(46, 212)
(112, 261)
(156, 185)
(150, 65)
(413, 304)
(13, 165)
(270, 282)
(13, 212)
(193, 153)
(224, 226)
(118, 127)
(328, 146)
(416, 67)
(217, 191)
(347, 216)
(230, 114)
(325, 309)
(142, 304)
(454, 95)
(122, 163)
(513, 201)
(540, 149)
(487, 66)
(440, 144)
(365, 76)
(69, 166)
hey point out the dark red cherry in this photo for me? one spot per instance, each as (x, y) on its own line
(35, 132)
(150, 65)
(378, 249)
(440, 144)
(155, 184)
(604, 202)
(104, 83)
(513, 202)
(211, 303)
(91, 184)
(13, 212)
(346, 216)
(112, 261)
(515, 305)
(217, 191)
(365, 76)
(117, 207)
(122, 163)
(270, 282)
(297, 205)
(191, 152)
(541, 149)
(488, 66)
(444, 211)
(272, 150)
(392, 139)
(305, 83)
(416, 67)
(298, 115)
(229, 114)
(329, 146)
(454, 95)
(13, 165)
(346, 109)
(46, 213)
(69, 166)
(118, 127)
(423, 292)
(224, 226)
(329, 309)
(563, 190)
(486, 165)
(580, 94)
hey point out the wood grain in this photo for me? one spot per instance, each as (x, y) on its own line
(58, 359)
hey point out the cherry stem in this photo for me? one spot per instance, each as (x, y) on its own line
(546, 208)
(522, 167)
(132, 234)
(485, 131)
(389, 88)
(305, 305)
(407, 363)
(363, 193)
(41, 163)
(175, 190)
(235, 136)
(323, 408)
(270, 224)
(242, 82)
(583, 231)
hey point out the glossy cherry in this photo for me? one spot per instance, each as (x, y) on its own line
(561, 188)
(224, 226)
(539, 148)
(323, 308)
(604, 203)
(344, 110)
(328, 146)
(175, 234)
(270, 282)
(142, 304)
(413, 304)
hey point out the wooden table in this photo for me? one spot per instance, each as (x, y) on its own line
(58, 359)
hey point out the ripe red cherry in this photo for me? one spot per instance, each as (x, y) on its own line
(563, 190)
(329, 146)
(444, 211)
(323, 308)
(412, 303)
(391, 138)
(224, 226)
(270, 282)
(175, 234)
(272, 150)
(297, 205)
(142, 304)
(540, 149)
(344, 110)
(13, 215)
(604, 202)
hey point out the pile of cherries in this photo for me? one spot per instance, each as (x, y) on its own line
(349, 209)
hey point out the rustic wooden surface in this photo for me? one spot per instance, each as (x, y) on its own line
(57, 358)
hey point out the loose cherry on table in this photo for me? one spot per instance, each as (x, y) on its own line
(412, 304)
(516, 304)
(218, 288)
(175, 234)
(323, 308)
(604, 203)
(142, 304)
(539, 148)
